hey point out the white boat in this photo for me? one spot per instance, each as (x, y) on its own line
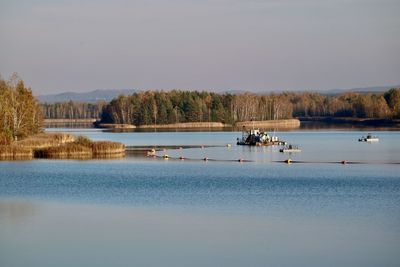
(369, 138)
(290, 149)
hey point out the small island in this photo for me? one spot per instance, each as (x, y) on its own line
(22, 136)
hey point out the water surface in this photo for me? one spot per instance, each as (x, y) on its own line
(140, 211)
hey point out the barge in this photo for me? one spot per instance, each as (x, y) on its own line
(257, 138)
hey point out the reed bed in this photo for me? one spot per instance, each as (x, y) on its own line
(107, 148)
(45, 140)
(101, 147)
(15, 152)
(59, 145)
(83, 147)
(69, 150)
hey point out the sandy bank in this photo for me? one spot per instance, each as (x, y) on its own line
(186, 125)
(289, 123)
(115, 126)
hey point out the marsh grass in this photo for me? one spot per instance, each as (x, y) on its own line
(82, 147)
(107, 148)
(45, 140)
(15, 152)
(69, 150)
(83, 141)
(59, 145)
(100, 147)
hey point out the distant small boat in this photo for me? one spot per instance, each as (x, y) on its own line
(369, 138)
(290, 149)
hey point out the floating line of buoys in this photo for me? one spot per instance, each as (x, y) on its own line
(287, 161)
(343, 162)
(165, 156)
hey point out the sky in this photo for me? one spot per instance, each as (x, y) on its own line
(256, 45)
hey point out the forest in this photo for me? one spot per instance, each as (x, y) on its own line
(160, 107)
(164, 107)
(72, 110)
(20, 113)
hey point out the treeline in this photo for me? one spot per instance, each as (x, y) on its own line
(182, 106)
(357, 105)
(160, 107)
(72, 110)
(20, 113)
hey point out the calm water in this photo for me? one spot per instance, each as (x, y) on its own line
(152, 212)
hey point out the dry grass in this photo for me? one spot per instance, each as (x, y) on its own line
(15, 152)
(289, 123)
(59, 145)
(83, 141)
(5, 139)
(107, 148)
(46, 140)
(100, 147)
(82, 147)
(69, 150)
(189, 125)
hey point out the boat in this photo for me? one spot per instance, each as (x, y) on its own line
(257, 138)
(290, 149)
(369, 138)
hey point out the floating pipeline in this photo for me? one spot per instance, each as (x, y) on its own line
(181, 158)
(152, 153)
(287, 161)
(343, 162)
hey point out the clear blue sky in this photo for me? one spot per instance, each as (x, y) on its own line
(254, 45)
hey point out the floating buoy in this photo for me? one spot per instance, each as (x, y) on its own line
(180, 147)
(202, 146)
(288, 161)
(205, 159)
(343, 162)
(181, 158)
(228, 145)
(165, 156)
(240, 160)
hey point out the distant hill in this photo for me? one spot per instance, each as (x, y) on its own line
(109, 94)
(362, 90)
(92, 96)
(374, 89)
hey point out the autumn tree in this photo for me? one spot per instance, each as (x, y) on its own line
(392, 98)
(20, 113)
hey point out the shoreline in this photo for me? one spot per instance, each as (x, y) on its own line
(287, 123)
(352, 121)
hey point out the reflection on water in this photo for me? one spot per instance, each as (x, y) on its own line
(16, 212)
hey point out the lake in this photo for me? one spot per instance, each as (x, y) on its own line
(140, 211)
